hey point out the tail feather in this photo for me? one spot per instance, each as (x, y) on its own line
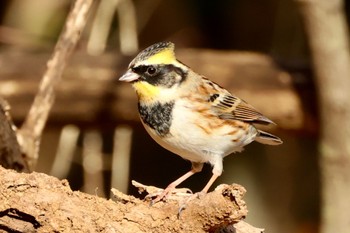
(267, 138)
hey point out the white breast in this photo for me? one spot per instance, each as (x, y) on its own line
(188, 139)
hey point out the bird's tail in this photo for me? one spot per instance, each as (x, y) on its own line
(267, 138)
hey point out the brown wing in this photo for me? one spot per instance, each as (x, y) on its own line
(231, 107)
(227, 106)
(246, 112)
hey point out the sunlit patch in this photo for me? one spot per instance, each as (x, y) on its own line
(9, 88)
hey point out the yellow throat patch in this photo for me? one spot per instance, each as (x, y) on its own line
(146, 91)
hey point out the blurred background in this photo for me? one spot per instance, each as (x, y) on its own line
(257, 49)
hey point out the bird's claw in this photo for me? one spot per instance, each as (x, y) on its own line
(184, 203)
(169, 194)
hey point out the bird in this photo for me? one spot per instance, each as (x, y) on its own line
(190, 115)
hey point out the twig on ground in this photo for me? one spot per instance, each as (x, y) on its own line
(29, 134)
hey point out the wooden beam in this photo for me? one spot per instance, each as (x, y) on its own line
(90, 93)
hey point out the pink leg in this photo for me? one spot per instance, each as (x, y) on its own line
(217, 171)
(197, 195)
(210, 183)
(195, 169)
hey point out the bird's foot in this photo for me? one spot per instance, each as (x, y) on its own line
(187, 200)
(169, 193)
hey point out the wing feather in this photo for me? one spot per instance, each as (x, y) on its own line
(246, 112)
(228, 106)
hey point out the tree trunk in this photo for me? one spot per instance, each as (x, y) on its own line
(328, 36)
(10, 151)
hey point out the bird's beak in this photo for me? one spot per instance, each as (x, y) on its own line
(129, 76)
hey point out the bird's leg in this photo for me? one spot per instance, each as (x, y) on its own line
(196, 167)
(217, 171)
(198, 194)
(210, 183)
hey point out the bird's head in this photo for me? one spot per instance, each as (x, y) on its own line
(155, 70)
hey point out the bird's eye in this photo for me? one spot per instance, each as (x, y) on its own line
(151, 70)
